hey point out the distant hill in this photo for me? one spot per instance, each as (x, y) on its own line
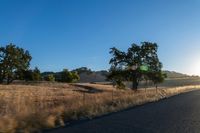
(87, 75)
(172, 74)
(100, 76)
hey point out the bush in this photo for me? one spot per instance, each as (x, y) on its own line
(36, 74)
(49, 77)
(120, 85)
(31, 75)
(69, 77)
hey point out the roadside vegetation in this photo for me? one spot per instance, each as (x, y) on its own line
(15, 65)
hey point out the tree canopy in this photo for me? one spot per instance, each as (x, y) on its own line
(49, 77)
(67, 76)
(138, 62)
(82, 70)
(31, 75)
(12, 60)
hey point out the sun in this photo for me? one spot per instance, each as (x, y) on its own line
(195, 68)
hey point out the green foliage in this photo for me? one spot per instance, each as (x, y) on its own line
(69, 77)
(75, 77)
(83, 70)
(63, 76)
(28, 75)
(12, 61)
(157, 77)
(49, 77)
(120, 85)
(36, 74)
(31, 75)
(136, 63)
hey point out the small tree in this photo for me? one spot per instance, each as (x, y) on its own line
(36, 74)
(67, 76)
(134, 64)
(28, 75)
(82, 70)
(75, 77)
(49, 77)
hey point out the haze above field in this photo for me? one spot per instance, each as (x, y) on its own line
(70, 34)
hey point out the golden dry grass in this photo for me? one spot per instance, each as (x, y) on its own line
(25, 108)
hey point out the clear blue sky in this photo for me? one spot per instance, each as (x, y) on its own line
(73, 33)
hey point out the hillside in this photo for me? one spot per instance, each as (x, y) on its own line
(172, 74)
(87, 75)
(100, 76)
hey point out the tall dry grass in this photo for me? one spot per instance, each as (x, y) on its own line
(25, 108)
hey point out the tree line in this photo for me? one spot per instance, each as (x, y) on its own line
(15, 65)
(138, 63)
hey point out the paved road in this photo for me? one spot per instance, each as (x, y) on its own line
(179, 114)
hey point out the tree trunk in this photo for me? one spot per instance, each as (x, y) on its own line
(9, 80)
(134, 84)
(2, 76)
(1, 81)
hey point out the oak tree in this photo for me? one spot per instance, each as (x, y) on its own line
(139, 61)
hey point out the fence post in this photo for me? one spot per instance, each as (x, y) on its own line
(156, 90)
(112, 95)
(146, 89)
(83, 97)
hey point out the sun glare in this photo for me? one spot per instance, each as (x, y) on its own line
(195, 69)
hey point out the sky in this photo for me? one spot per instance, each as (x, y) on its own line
(74, 33)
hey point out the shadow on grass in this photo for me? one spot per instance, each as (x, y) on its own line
(87, 89)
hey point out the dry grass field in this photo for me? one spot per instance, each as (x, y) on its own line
(30, 108)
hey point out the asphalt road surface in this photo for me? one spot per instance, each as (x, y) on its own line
(178, 114)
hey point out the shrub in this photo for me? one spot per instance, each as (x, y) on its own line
(49, 77)
(67, 76)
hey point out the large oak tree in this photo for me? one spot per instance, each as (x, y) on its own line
(139, 62)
